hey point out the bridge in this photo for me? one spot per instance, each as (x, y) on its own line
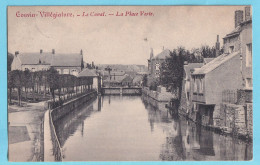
(121, 91)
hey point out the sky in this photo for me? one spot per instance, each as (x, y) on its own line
(115, 39)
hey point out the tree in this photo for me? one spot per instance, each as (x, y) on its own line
(26, 82)
(18, 78)
(145, 80)
(11, 77)
(10, 58)
(53, 81)
(207, 52)
(172, 71)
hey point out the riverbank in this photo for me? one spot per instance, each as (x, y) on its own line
(52, 147)
(25, 132)
(160, 94)
(26, 129)
(227, 131)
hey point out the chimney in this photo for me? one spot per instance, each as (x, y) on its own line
(151, 54)
(53, 51)
(16, 53)
(81, 52)
(247, 13)
(217, 46)
(238, 17)
(40, 51)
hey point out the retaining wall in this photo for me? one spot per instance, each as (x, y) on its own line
(161, 95)
(52, 148)
(71, 105)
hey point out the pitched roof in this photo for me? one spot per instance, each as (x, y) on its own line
(87, 73)
(165, 53)
(127, 79)
(137, 79)
(190, 66)
(66, 60)
(35, 58)
(238, 29)
(50, 59)
(214, 63)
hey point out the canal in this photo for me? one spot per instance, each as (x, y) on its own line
(136, 128)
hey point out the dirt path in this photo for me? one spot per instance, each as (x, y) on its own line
(25, 132)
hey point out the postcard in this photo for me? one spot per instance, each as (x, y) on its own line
(129, 83)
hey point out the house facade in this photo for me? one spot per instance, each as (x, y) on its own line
(220, 81)
(91, 73)
(155, 63)
(186, 97)
(63, 63)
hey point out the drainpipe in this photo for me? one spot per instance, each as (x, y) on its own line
(241, 61)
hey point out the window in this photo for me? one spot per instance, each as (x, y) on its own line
(249, 83)
(195, 86)
(33, 69)
(157, 66)
(201, 86)
(66, 71)
(74, 72)
(249, 54)
(231, 49)
(188, 96)
(59, 71)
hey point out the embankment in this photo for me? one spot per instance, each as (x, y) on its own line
(52, 148)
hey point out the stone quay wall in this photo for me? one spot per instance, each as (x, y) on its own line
(160, 95)
(71, 105)
(54, 152)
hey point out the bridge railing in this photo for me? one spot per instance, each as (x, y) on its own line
(122, 90)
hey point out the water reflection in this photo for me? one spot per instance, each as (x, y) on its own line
(123, 128)
(66, 126)
(187, 141)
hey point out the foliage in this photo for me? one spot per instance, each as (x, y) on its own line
(53, 81)
(153, 86)
(50, 79)
(208, 52)
(172, 70)
(145, 80)
(10, 58)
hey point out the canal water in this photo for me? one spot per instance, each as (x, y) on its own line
(135, 128)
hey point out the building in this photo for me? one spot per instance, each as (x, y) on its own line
(113, 79)
(154, 65)
(224, 77)
(240, 40)
(186, 101)
(63, 63)
(155, 62)
(127, 81)
(91, 73)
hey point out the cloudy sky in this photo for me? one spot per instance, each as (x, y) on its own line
(118, 40)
